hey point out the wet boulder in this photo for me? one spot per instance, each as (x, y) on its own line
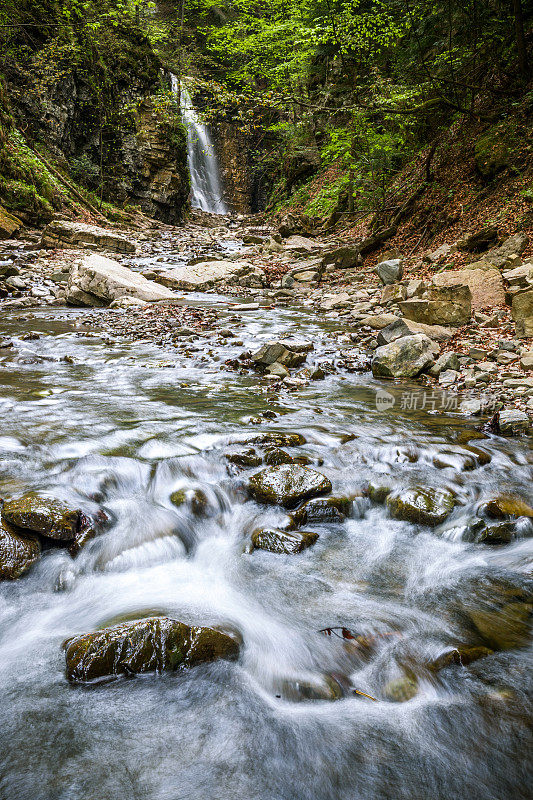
(288, 484)
(462, 655)
(277, 353)
(277, 439)
(275, 456)
(323, 509)
(504, 506)
(155, 644)
(51, 518)
(18, 553)
(421, 505)
(406, 357)
(193, 499)
(244, 457)
(279, 541)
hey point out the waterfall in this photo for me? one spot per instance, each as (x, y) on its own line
(206, 186)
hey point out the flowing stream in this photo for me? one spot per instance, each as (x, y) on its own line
(110, 424)
(206, 185)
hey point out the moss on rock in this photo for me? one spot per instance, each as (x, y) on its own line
(49, 517)
(155, 644)
(278, 541)
(421, 505)
(18, 553)
(288, 484)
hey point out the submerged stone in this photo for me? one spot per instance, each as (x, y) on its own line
(500, 612)
(18, 553)
(51, 518)
(326, 687)
(279, 541)
(323, 509)
(288, 484)
(421, 505)
(400, 690)
(155, 644)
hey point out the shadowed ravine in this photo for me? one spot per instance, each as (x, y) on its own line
(110, 427)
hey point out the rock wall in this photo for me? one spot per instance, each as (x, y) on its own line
(232, 151)
(142, 146)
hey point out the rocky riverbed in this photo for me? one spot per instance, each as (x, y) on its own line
(472, 347)
(224, 510)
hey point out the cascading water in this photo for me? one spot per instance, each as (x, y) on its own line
(206, 186)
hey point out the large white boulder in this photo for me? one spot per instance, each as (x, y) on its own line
(94, 279)
(206, 274)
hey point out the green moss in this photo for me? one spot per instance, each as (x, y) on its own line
(496, 149)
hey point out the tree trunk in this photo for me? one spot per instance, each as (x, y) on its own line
(520, 38)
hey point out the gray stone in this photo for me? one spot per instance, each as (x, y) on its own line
(390, 271)
(447, 361)
(406, 327)
(379, 321)
(206, 274)
(513, 246)
(513, 422)
(63, 233)
(343, 257)
(440, 253)
(406, 357)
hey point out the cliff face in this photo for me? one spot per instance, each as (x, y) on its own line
(106, 122)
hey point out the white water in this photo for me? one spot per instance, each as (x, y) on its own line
(206, 186)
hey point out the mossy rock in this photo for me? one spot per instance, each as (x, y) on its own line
(506, 505)
(279, 541)
(155, 644)
(462, 655)
(421, 505)
(495, 150)
(323, 509)
(501, 533)
(194, 499)
(9, 225)
(275, 456)
(378, 493)
(400, 690)
(51, 518)
(278, 439)
(288, 484)
(18, 553)
(82, 538)
(246, 457)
